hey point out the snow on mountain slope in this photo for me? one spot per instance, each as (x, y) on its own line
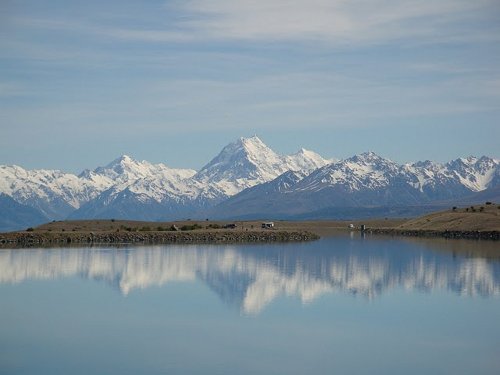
(125, 170)
(244, 163)
(370, 171)
(249, 162)
(461, 175)
(53, 192)
(148, 181)
(366, 170)
(365, 179)
(424, 173)
(241, 164)
(57, 194)
(265, 197)
(475, 173)
(23, 184)
(305, 160)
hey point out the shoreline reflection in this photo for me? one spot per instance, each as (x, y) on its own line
(251, 277)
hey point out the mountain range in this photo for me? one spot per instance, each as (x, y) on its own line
(245, 180)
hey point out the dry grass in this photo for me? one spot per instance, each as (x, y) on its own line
(321, 228)
(486, 218)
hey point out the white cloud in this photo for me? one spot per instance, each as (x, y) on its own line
(338, 21)
(330, 21)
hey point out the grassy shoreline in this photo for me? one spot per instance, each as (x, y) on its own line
(481, 222)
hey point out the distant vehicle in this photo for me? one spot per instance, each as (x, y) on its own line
(268, 225)
(230, 226)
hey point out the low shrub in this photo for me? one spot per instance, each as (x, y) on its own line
(190, 227)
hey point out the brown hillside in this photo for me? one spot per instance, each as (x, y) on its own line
(475, 218)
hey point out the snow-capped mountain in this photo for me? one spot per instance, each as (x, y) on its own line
(475, 173)
(246, 176)
(53, 192)
(136, 189)
(366, 170)
(372, 172)
(247, 159)
(365, 180)
(167, 194)
(306, 160)
(124, 170)
(57, 194)
(249, 162)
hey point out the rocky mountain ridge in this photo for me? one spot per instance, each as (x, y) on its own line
(366, 181)
(245, 176)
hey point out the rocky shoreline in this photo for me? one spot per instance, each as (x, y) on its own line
(32, 239)
(452, 234)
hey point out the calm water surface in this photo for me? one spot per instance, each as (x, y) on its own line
(343, 305)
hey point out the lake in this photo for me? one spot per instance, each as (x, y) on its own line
(343, 304)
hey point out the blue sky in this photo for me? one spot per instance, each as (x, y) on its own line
(174, 81)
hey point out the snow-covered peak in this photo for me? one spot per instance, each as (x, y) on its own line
(125, 170)
(287, 180)
(251, 146)
(125, 166)
(364, 171)
(41, 188)
(426, 164)
(307, 153)
(467, 161)
(122, 160)
(370, 164)
(475, 173)
(306, 160)
(252, 142)
(243, 163)
(368, 157)
(247, 161)
(259, 153)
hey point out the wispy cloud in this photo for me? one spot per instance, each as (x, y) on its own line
(337, 21)
(122, 67)
(282, 101)
(330, 21)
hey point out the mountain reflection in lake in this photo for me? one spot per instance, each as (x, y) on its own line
(343, 304)
(251, 277)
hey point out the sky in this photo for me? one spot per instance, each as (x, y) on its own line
(82, 82)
